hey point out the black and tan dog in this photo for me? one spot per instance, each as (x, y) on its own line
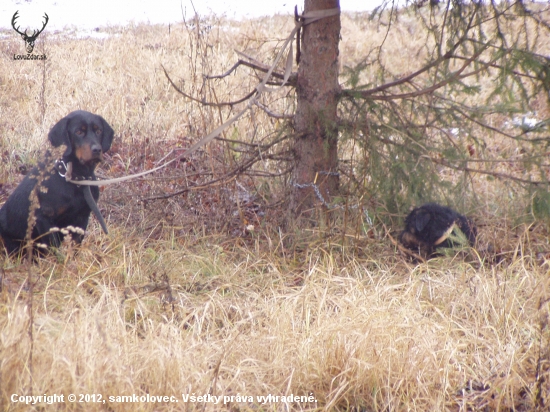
(430, 226)
(61, 203)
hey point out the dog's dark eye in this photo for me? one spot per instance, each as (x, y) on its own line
(98, 132)
(79, 133)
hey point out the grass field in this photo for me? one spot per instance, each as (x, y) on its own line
(201, 294)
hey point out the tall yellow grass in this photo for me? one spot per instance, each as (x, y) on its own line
(353, 331)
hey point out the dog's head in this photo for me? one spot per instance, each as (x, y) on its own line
(85, 134)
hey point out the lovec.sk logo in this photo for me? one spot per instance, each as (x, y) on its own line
(29, 40)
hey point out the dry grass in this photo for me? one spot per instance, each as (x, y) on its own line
(377, 334)
(164, 305)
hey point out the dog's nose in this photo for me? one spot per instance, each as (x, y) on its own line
(96, 150)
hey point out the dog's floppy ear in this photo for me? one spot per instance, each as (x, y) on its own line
(421, 220)
(59, 135)
(108, 134)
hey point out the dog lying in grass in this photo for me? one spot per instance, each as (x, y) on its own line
(432, 226)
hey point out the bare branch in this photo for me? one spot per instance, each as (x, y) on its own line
(256, 65)
(245, 98)
(498, 175)
(255, 145)
(273, 114)
(448, 164)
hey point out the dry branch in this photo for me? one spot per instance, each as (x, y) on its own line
(205, 103)
(256, 65)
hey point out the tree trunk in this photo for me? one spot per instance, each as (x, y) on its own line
(315, 179)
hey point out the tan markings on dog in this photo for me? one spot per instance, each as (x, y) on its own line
(409, 239)
(84, 154)
(61, 210)
(445, 235)
(47, 211)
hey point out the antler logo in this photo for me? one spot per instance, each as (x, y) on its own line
(28, 39)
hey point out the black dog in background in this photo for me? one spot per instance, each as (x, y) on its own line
(87, 136)
(429, 227)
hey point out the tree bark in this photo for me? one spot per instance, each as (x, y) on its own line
(315, 179)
